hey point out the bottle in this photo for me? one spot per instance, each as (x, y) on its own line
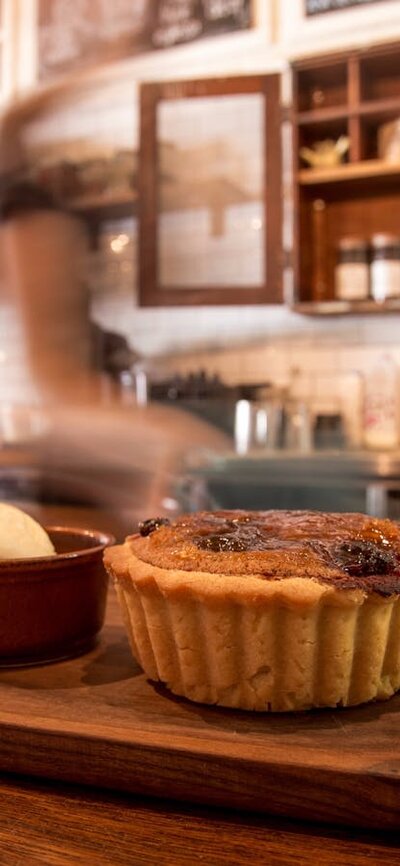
(297, 432)
(352, 270)
(381, 405)
(385, 267)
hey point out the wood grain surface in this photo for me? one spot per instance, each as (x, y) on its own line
(96, 720)
(43, 825)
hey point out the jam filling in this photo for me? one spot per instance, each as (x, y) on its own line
(363, 558)
(220, 543)
(149, 526)
(359, 559)
(237, 536)
(355, 555)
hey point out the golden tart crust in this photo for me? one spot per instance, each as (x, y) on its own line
(264, 610)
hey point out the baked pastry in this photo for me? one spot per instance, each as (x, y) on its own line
(272, 610)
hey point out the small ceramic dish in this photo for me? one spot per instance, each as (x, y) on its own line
(52, 607)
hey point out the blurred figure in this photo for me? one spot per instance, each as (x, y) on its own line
(43, 248)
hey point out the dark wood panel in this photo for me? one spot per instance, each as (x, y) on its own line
(68, 826)
(360, 210)
(96, 720)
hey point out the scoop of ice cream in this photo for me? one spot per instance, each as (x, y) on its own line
(21, 536)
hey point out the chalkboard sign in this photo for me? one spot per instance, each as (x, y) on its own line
(317, 7)
(75, 33)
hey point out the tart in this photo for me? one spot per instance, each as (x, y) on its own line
(264, 610)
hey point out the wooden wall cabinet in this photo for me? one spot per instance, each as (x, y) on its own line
(343, 94)
(352, 95)
(210, 192)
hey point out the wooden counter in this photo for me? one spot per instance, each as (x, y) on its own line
(52, 822)
(52, 825)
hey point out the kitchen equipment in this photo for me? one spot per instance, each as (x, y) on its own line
(258, 424)
(297, 425)
(207, 396)
(329, 431)
(365, 481)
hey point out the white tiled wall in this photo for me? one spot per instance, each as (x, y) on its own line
(241, 343)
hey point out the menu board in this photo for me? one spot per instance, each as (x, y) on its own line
(76, 33)
(317, 7)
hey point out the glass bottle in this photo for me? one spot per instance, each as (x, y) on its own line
(385, 267)
(352, 270)
(381, 405)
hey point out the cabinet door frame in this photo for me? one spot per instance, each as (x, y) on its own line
(150, 291)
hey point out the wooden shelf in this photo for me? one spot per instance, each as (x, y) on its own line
(368, 169)
(321, 115)
(379, 108)
(342, 308)
(374, 108)
(352, 93)
(117, 205)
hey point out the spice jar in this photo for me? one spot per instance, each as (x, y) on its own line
(385, 267)
(352, 271)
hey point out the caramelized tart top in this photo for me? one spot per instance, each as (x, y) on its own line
(349, 551)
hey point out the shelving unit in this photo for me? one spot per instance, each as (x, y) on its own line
(368, 168)
(350, 94)
(106, 206)
(341, 308)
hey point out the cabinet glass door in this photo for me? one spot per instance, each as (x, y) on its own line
(210, 197)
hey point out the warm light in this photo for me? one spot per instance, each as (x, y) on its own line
(118, 243)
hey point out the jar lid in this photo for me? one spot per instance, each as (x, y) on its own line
(381, 240)
(352, 243)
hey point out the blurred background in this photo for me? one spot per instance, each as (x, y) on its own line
(199, 256)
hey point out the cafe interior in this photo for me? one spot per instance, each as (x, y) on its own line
(165, 351)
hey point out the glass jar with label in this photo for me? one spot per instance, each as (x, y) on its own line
(352, 270)
(385, 267)
(381, 404)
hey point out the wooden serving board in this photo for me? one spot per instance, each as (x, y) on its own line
(96, 720)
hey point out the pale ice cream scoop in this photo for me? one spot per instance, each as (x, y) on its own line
(21, 536)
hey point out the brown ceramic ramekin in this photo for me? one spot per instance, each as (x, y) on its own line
(52, 608)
